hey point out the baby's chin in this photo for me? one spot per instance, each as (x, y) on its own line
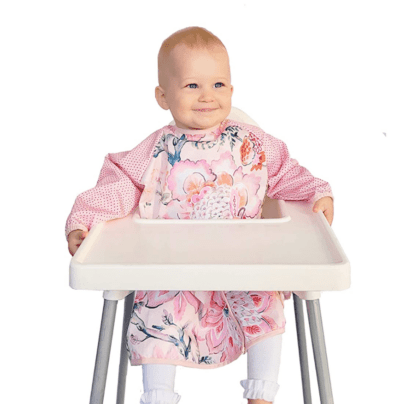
(206, 123)
(199, 122)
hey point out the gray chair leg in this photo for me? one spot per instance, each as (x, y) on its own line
(103, 351)
(319, 348)
(301, 338)
(123, 361)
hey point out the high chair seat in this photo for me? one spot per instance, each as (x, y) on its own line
(291, 248)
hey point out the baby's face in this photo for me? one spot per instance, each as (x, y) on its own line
(197, 88)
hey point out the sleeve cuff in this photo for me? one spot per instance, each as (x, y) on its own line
(74, 227)
(320, 195)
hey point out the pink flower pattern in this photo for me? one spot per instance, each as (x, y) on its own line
(221, 329)
(221, 173)
(218, 175)
(220, 188)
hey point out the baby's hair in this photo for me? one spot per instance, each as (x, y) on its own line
(193, 38)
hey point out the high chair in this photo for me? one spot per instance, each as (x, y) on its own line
(291, 248)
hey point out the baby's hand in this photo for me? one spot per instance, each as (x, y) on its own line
(75, 239)
(326, 205)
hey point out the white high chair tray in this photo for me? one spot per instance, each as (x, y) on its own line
(293, 248)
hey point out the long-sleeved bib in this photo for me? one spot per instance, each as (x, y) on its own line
(220, 173)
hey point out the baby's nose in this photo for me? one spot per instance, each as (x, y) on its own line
(206, 95)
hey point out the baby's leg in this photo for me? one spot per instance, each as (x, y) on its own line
(263, 361)
(158, 384)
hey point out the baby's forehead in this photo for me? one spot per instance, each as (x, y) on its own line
(183, 57)
(182, 60)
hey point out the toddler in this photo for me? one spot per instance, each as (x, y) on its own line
(205, 166)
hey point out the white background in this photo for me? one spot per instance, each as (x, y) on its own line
(77, 81)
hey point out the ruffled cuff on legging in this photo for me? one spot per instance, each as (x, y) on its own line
(259, 389)
(159, 397)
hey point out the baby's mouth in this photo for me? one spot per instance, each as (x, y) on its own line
(205, 109)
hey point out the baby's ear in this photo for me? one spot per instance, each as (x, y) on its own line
(160, 97)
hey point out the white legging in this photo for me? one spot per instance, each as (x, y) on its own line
(263, 360)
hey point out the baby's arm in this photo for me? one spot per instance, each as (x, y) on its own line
(116, 193)
(288, 180)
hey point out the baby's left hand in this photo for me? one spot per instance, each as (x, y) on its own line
(326, 205)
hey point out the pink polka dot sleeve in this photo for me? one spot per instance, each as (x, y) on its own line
(287, 179)
(118, 188)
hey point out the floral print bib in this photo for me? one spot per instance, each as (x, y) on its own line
(217, 174)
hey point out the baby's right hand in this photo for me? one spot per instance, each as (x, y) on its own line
(75, 239)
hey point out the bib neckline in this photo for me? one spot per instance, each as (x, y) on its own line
(200, 134)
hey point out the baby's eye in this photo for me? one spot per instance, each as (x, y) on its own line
(216, 84)
(192, 84)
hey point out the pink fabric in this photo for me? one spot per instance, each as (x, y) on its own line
(119, 187)
(201, 329)
(223, 172)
